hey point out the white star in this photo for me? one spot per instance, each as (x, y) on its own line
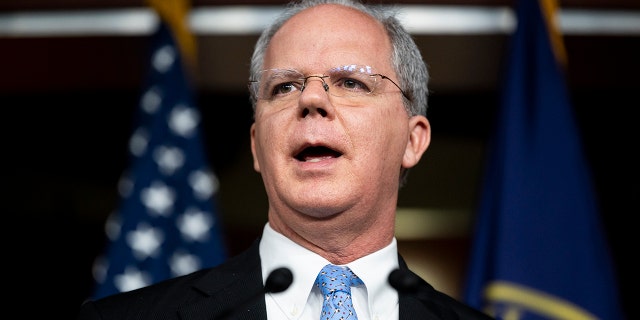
(204, 184)
(194, 225)
(182, 263)
(99, 269)
(164, 58)
(131, 279)
(113, 226)
(125, 186)
(169, 159)
(138, 142)
(151, 100)
(184, 120)
(158, 198)
(145, 241)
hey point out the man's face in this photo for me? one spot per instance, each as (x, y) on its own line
(321, 155)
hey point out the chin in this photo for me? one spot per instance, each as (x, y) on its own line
(320, 209)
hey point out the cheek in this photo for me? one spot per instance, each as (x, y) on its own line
(393, 136)
(264, 138)
(386, 123)
(268, 135)
(379, 133)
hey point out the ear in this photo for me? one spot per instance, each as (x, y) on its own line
(252, 132)
(419, 139)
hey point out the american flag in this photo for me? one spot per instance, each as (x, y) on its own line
(167, 223)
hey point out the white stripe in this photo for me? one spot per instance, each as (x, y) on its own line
(250, 20)
(78, 23)
(457, 19)
(600, 22)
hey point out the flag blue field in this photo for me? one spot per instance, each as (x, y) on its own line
(539, 249)
(167, 222)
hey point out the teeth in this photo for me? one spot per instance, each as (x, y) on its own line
(317, 159)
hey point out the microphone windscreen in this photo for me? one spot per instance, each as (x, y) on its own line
(278, 280)
(403, 281)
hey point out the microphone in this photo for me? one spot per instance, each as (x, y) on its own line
(404, 281)
(277, 281)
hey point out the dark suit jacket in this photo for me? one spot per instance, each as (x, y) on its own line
(236, 287)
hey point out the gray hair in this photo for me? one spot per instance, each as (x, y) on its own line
(405, 56)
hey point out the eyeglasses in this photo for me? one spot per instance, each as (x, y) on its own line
(352, 82)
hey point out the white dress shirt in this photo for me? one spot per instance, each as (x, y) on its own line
(375, 300)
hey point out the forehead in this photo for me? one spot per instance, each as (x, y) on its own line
(326, 36)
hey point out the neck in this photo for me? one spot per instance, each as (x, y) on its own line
(341, 238)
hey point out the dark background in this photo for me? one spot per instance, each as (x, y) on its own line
(68, 103)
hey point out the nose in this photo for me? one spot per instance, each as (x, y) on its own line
(314, 100)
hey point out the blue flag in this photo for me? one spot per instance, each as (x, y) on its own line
(167, 222)
(540, 251)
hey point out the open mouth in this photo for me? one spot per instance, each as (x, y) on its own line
(316, 154)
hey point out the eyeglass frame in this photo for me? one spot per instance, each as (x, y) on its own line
(325, 86)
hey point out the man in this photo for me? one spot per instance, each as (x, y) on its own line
(339, 92)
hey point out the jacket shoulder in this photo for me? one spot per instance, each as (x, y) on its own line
(216, 285)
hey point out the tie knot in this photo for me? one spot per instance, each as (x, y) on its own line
(336, 278)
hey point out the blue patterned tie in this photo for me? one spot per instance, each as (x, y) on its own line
(335, 283)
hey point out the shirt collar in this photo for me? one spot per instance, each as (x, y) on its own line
(277, 251)
(374, 270)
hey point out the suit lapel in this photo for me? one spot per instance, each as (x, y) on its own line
(424, 303)
(233, 289)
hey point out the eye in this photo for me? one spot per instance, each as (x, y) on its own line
(353, 85)
(352, 82)
(285, 88)
(282, 84)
